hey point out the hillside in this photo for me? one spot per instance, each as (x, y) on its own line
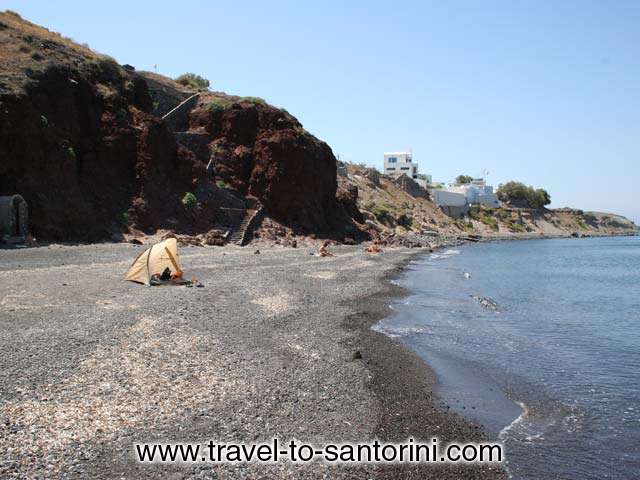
(390, 210)
(84, 142)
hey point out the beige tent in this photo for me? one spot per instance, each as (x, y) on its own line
(155, 260)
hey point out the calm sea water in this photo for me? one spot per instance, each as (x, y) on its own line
(554, 371)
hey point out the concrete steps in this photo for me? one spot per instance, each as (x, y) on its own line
(240, 236)
(238, 233)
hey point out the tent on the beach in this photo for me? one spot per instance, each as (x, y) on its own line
(152, 264)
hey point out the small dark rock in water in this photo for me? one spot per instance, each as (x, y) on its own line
(257, 252)
(357, 355)
(485, 302)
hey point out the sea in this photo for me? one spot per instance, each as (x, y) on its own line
(539, 341)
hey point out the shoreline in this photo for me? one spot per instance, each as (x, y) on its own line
(405, 384)
(441, 240)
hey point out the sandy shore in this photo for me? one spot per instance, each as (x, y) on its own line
(90, 364)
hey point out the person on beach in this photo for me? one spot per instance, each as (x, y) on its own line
(323, 251)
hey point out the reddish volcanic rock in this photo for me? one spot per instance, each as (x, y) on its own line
(264, 152)
(347, 195)
(294, 176)
(81, 142)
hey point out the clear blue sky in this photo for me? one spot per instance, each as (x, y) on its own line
(547, 92)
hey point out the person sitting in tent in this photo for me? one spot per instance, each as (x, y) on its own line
(157, 265)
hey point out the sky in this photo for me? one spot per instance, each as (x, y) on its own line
(540, 91)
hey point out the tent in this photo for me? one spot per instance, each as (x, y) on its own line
(154, 261)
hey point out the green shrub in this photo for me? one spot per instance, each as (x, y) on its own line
(464, 225)
(124, 219)
(253, 100)
(515, 227)
(222, 184)
(194, 81)
(483, 215)
(405, 221)
(381, 211)
(489, 221)
(215, 106)
(464, 179)
(518, 193)
(502, 213)
(189, 199)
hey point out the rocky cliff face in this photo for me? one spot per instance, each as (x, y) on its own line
(82, 141)
(78, 144)
(263, 152)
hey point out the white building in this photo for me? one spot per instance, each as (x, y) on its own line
(398, 163)
(476, 192)
(446, 198)
(452, 203)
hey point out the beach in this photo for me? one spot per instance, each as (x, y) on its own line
(276, 344)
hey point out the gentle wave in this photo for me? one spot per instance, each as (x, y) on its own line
(516, 422)
(395, 332)
(443, 255)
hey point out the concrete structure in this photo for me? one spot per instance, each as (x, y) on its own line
(401, 163)
(476, 192)
(451, 203)
(14, 220)
(424, 181)
(397, 163)
(448, 199)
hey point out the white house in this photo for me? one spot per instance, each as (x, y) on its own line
(398, 163)
(476, 192)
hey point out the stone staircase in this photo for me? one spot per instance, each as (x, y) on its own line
(240, 235)
(240, 216)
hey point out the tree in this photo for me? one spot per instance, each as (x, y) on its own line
(520, 195)
(542, 198)
(194, 81)
(464, 179)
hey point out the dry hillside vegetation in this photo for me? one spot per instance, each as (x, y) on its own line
(389, 209)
